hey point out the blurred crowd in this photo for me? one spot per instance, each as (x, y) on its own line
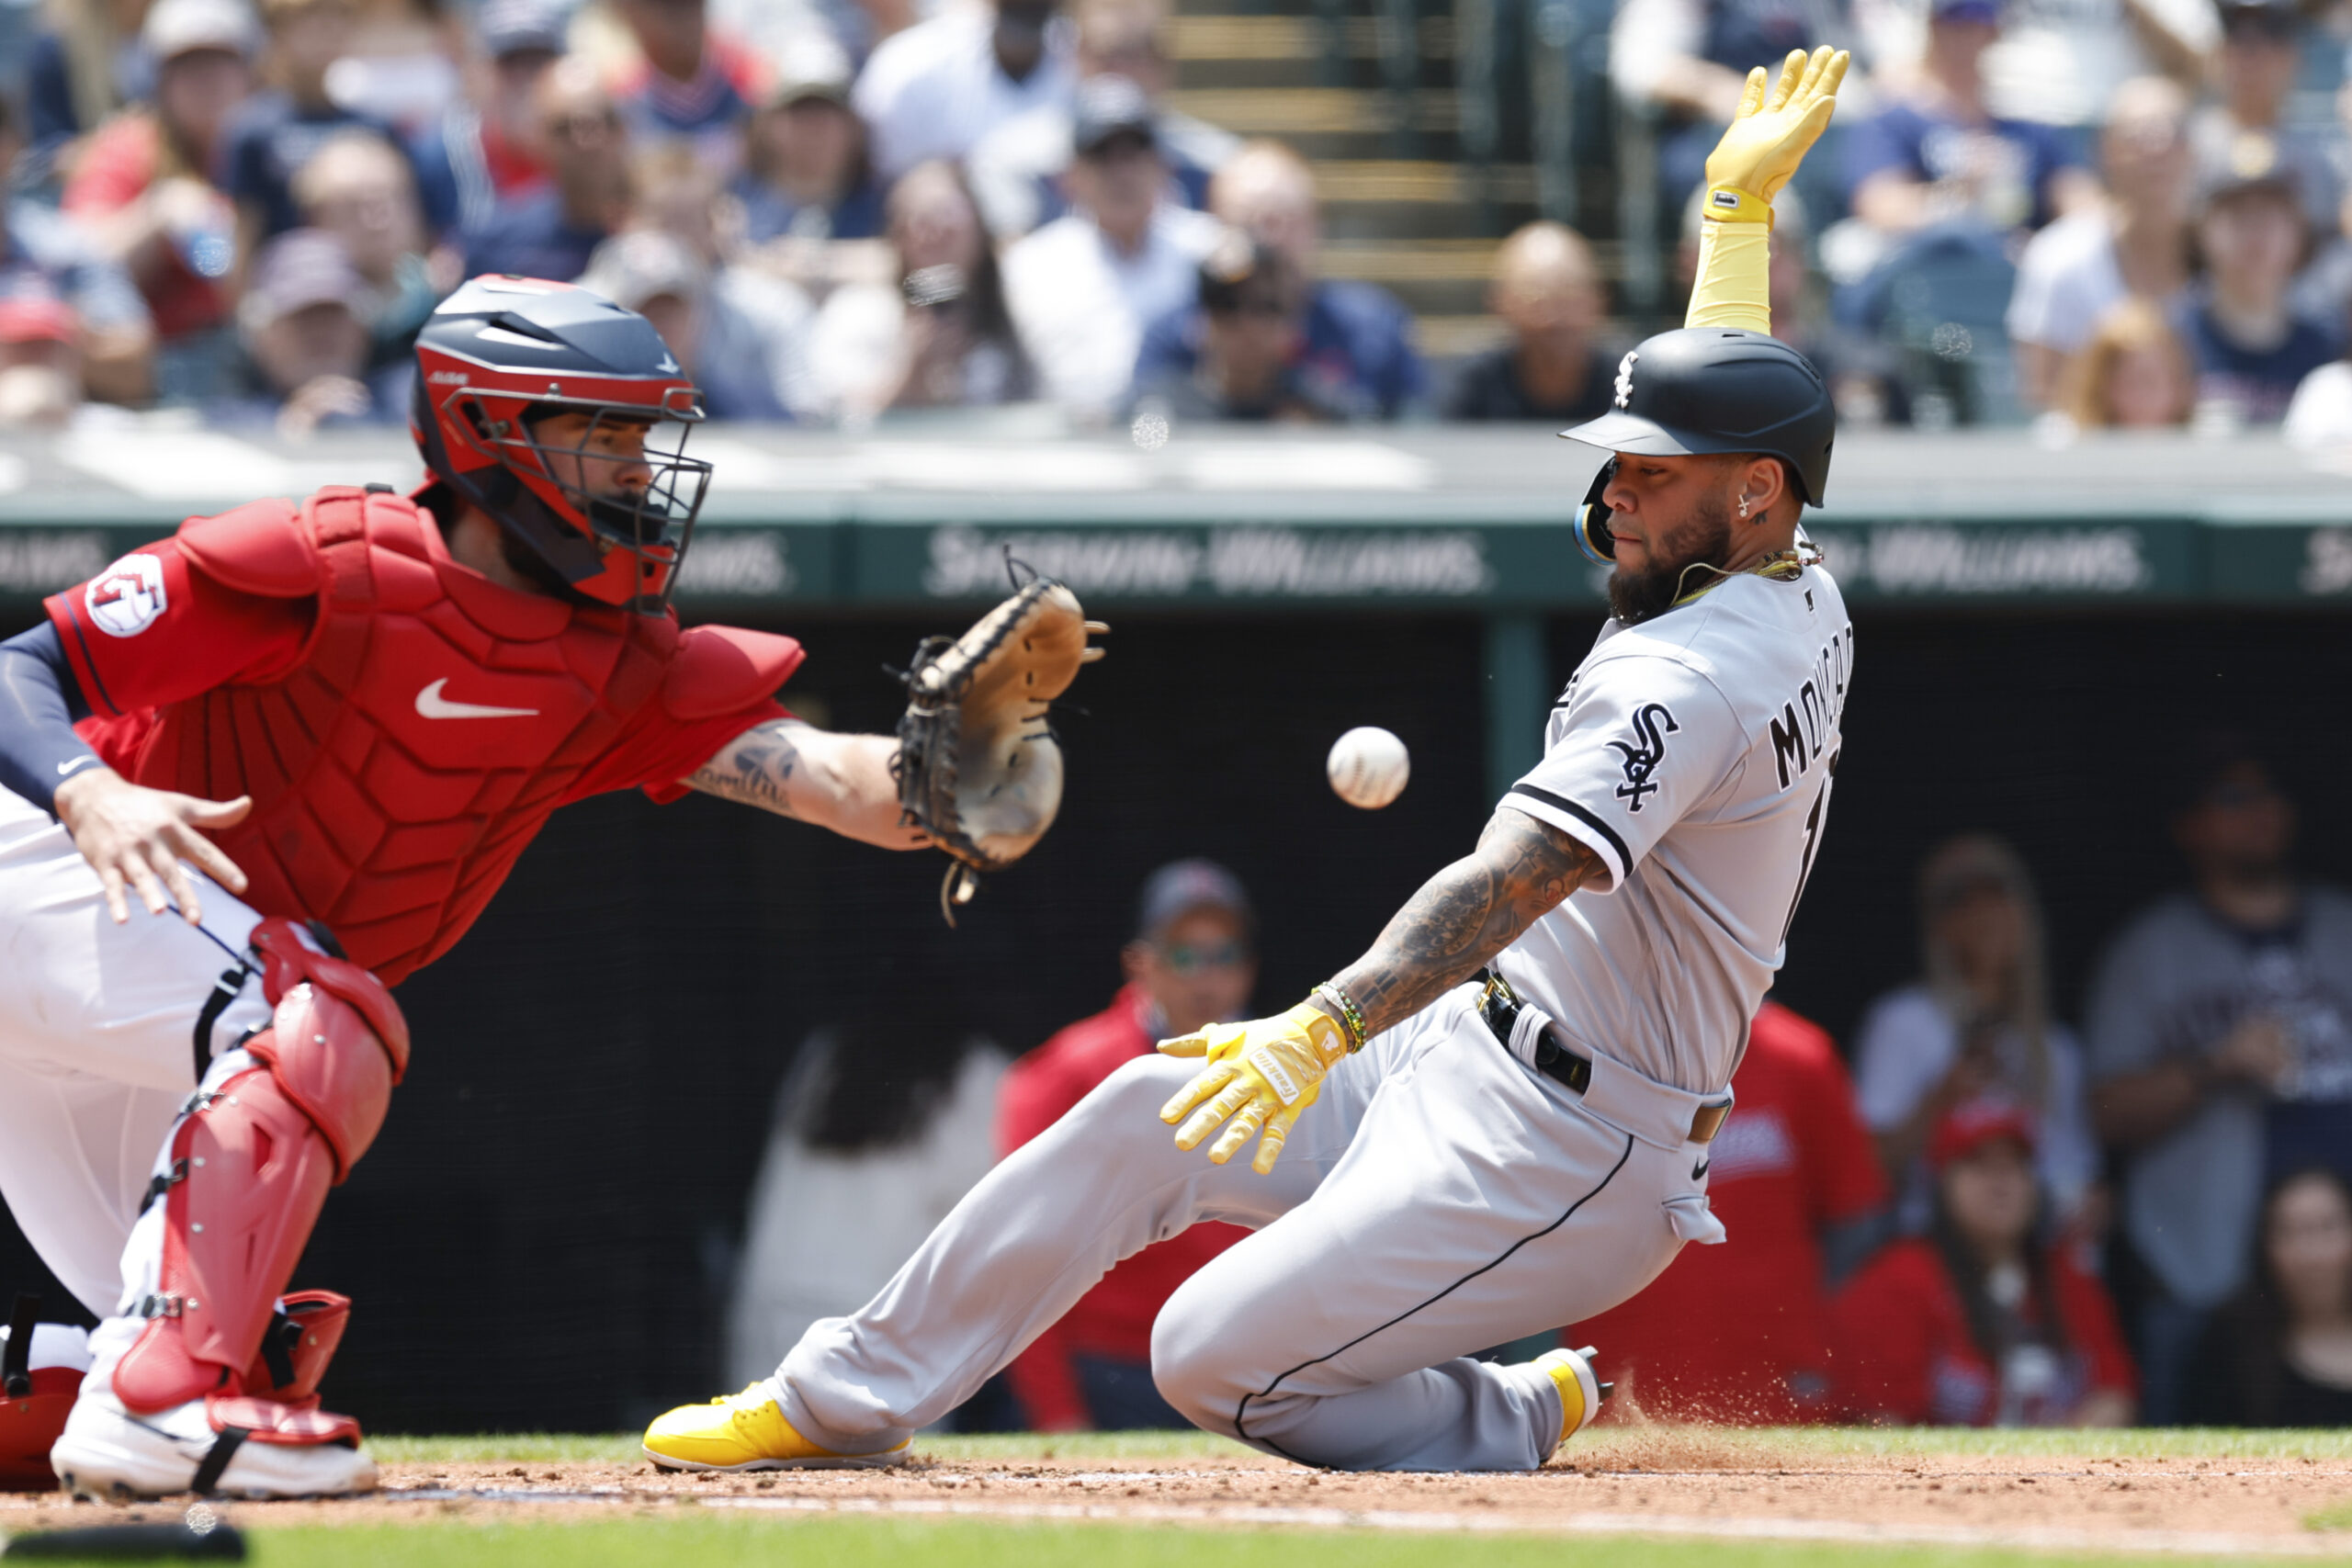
(2100, 213)
(2117, 213)
(1976, 1215)
(831, 212)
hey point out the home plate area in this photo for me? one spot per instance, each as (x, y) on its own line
(2214, 1498)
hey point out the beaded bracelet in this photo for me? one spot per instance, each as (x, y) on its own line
(1350, 1019)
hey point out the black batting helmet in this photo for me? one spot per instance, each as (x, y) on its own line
(501, 353)
(1703, 390)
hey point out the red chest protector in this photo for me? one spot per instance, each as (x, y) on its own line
(432, 722)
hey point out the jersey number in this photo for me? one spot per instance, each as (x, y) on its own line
(1812, 842)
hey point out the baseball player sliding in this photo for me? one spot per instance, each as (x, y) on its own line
(1497, 1120)
(311, 741)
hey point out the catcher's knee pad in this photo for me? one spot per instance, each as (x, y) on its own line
(250, 1166)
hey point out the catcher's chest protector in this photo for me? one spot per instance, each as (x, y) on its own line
(434, 722)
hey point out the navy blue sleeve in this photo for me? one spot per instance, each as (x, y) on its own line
(39, 700)
(1888, 140)
(49, 92)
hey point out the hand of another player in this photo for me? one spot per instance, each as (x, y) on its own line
(1762, 147)
(136, 838)
(1261, 1075)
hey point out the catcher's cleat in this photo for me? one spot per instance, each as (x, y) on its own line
(1580, 1392)
(110, 1454)
(746, 1431)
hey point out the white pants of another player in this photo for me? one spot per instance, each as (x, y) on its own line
(1439, 1198)
(98, 1056)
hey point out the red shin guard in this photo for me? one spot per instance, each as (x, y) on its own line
(250, 1170)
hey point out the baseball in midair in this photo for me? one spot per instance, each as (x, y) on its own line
(1368, 767)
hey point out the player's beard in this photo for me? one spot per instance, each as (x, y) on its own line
(1704, 540)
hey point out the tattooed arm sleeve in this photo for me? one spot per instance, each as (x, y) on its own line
(839, 782)
(1464, 915)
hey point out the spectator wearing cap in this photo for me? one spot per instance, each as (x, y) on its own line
(689, 82)
(939, 334)
(550, 232)
(1548, 292)
(306, 346)
(807, 174)
(934, 90)
(279, 128)
(1935, 155)
(1793, 1177)
(486, 150)
(751, 325)
(1017, 167)
(141, 186)
(44, 253)
(1353, 342)
(745, 365)
(2259, 55)
(2221, 1049)
(2137, 243)
(1192, 962)
(40, 361)
(2250, 345)
(1082, 287)
(1237, 354)
(1976, 1021)
(1982, 1322)
(361, 189)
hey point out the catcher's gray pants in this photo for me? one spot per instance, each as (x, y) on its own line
(1439, 1198)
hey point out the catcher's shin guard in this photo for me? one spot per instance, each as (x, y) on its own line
(250, 1167)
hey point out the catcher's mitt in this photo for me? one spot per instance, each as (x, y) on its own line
(978, 769)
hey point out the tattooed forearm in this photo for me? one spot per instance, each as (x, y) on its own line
(1464, 916)
(755, 769)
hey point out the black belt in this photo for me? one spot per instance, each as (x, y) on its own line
(1500, 1006)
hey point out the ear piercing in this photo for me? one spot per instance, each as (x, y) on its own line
(1743, 509)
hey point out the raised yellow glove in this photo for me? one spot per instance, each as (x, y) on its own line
(1760, 150)
(1262, 1074)
(1773, 130)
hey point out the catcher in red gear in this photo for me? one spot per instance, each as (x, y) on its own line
(313, 738)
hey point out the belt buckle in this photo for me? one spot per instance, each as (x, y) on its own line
(1708, 1121)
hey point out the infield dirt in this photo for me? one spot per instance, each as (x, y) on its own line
(1674, 1481)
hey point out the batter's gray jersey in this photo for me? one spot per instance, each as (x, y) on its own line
(1693, 754)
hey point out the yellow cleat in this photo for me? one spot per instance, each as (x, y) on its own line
(746, 1431)
(1580, 1392)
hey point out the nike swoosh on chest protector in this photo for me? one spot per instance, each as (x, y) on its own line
(431, 703)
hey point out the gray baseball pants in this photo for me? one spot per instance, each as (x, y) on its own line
(1440, 1197)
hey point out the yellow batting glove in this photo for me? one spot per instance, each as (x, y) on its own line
(1772, 133)
(1262, 1074)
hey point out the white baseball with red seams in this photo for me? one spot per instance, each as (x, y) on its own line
(1368, 767)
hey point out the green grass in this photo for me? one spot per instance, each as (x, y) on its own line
(691, 1541)
(1778, 1446)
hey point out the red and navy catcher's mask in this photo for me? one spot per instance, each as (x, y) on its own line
(505, 353)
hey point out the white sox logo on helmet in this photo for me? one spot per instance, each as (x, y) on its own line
(1625, 377)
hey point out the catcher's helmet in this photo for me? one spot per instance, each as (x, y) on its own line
(1703, 390)
(502, 353)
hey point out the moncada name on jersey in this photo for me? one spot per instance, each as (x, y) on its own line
(1806, 720)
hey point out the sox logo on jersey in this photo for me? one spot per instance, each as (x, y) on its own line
(1652, 725)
